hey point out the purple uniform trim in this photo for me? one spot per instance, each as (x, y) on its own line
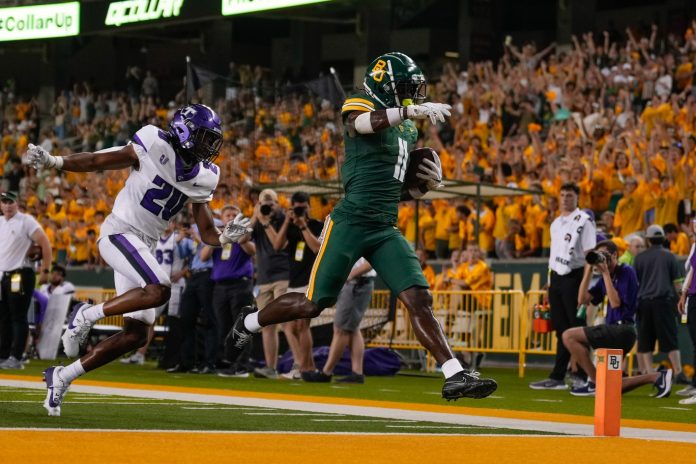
(137, 140)
(134, 258)
(48, 376)
(182, 174)
(71, 318)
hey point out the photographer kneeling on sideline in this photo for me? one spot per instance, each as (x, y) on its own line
(619, 284)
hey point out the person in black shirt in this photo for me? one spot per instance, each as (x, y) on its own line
(271, 271)
(660, 277)
(299, 236)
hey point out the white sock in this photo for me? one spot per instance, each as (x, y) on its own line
(94, 313)
(451, 367)
(251, 322)
(72, 371)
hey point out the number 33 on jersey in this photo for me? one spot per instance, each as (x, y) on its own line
(162, 185)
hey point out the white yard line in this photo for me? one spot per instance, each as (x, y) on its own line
(140, 403)
(378, 412)
(275, 432)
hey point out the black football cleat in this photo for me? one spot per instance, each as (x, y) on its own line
(467, 385)
(239, 336)
(316, 376)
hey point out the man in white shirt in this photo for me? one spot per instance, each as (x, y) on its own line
(572, 234)
(17, 233)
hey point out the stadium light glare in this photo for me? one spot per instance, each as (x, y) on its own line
(235, 7)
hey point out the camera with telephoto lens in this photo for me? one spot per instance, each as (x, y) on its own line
(596, 257)
(299, 211)
(266, 209)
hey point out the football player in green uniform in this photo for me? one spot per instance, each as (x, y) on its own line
(379, 134)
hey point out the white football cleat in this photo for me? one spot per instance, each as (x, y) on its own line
(77, 331)
(56, 389)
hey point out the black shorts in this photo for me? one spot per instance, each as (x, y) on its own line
(657, 320)
(618, 337)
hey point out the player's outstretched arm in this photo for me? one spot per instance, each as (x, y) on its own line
(103, 160)
(369, 122)
(206, 224)
(235, 231)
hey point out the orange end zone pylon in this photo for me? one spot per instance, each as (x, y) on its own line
(607, 416)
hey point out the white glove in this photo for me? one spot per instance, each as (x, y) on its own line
(235, 230)
(434, 111)
(39, 158)
(431, 172)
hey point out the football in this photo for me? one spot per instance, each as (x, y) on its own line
(415, 159)
(34, 252)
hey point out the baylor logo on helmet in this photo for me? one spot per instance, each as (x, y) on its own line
(378, 71)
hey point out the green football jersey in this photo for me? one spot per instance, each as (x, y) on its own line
(374, 168)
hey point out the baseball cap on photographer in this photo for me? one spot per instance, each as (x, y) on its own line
(8, 196)
(268, 195)
(655, 231)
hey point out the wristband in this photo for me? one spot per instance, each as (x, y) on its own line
(58, 162)
(395, 116)
(265, 226)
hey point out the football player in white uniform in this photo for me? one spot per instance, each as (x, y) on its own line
(168, 170)
(171, 252)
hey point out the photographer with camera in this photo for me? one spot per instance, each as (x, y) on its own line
(619, 284)
(271, 271)
(299, 237)
(572, 234)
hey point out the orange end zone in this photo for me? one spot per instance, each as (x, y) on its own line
(59, 447)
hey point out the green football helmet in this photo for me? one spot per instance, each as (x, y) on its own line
(394, 80)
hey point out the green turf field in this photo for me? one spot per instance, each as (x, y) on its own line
(513, 392)
(21, 407)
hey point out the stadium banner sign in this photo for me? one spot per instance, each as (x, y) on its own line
(235, 7)
(40, 21)
(136, 11)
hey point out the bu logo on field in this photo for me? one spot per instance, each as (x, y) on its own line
(163, 159)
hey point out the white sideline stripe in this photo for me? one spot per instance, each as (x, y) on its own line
(278, 432)
(545, 400)
(286, 414)
(220, 408)
(389, 390)
(675, 409)
(356, 420)
(432, 426)
(382, 413)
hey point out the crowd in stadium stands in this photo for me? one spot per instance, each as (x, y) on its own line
(614, 114)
